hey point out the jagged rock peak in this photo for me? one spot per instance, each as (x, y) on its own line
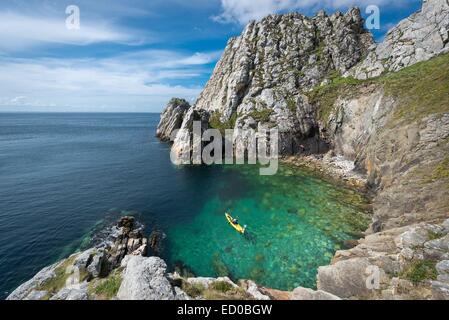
(262, 74)
(171, 118)
(417, 38)
(289, 51)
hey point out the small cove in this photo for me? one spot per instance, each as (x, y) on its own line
(63, 174)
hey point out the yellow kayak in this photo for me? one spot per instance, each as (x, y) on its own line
(236, 226)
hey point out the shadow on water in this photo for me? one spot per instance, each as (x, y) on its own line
(250, 237)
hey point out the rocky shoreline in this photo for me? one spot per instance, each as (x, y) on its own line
(331, 166)
(410, 263)
(118, 268)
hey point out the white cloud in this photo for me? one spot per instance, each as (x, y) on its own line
(18, 32)
(242, 11)
(141, 81)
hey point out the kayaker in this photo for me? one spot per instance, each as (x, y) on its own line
(235, 221)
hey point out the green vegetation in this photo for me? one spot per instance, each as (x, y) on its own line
(419, 90)
(221, 290)
(434, 235)
(218, 290)
(194, 290)
(178, 101)
(432, 172)
(442, 170)
(291, 104)
(108, 287)
(320, 46)
(221, 286)
(261, 115)
(325, 96)
(216, 123)
(419, 271)
(56, 283)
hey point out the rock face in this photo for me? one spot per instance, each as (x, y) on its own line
(273, 74)
(145, 279)
(344, 279)
(261, 76)
(399, 156)
(418, 38)
(404, 263)
(264, 75)
(282, 52)
(309, 294)
(129, 240)
(182, 150)
(171, 118)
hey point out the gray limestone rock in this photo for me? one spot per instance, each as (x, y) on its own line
(144, 278)
(416, 38)
(345, 278)
(309, 294)
(171, 118)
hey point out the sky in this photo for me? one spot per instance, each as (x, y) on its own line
(133, 55)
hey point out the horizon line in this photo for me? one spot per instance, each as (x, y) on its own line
(144, 112)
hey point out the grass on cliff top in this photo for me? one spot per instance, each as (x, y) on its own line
(419, 271)
(419, 90)
(108, 288)
(56, 283)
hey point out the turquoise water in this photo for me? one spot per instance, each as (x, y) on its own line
(63, 174)
(295, 223)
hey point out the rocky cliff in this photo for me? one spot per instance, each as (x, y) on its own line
(299, 74)
(262, 75)
(418, 38)
(383, 107)
(171, 118)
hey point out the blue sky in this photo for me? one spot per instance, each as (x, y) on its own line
(131, 56)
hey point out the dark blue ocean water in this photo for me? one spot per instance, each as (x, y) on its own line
(61, 174)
